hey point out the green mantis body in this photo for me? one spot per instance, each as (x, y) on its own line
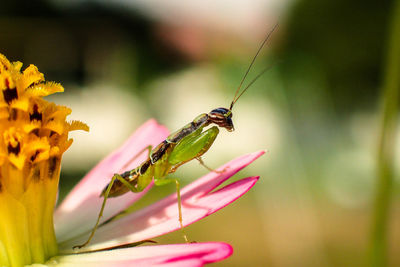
(188, 143)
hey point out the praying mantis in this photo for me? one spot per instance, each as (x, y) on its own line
(188, 143)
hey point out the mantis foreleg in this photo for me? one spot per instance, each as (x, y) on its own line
(208, 168)
(193, 146)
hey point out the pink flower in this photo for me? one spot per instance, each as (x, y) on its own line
(75, 216)
(34, 136)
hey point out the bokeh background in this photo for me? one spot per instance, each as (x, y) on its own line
(315, 111)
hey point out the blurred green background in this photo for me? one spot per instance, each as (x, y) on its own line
(316, 111)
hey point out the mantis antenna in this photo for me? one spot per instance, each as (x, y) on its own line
(236, 97)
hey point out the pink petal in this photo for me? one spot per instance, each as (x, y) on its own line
(79, 210)
(162, 217)
(196, 254)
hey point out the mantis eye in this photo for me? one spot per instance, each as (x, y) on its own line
(222, 111)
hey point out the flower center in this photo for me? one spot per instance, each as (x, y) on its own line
(33, 137)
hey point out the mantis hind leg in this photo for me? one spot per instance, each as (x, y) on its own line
(107, 193)
(164, 181)
(108, 190)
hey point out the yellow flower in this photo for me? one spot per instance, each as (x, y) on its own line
(33, 137)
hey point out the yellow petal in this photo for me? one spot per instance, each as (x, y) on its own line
(20, 103)
(55, 126)
(4, 113)
(37, 150)
(78, 125)
(64, 146)
(6, 81)
(17, 161)
(54, 112)
(31, 126)
(17, 66)
(30, 75)
(4, 63)
(54, 151)
(44, 89)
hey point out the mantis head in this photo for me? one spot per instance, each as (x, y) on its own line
(222, 117)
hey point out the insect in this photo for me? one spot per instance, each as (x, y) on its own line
(186, 144)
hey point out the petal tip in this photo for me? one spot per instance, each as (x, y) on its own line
(224, 251)
(261, 152)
